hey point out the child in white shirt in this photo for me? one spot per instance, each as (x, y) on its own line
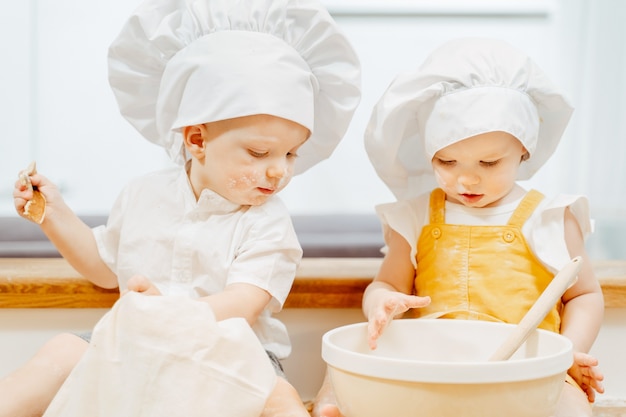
(242, 95)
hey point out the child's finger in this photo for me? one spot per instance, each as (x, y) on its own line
(591, 394)
(595, 382)
(138, 283)
(24, 175)
(141, 284)
(374, 330)
(418, 302)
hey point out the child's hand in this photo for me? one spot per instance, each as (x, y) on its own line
(586, 374)
(34, 194)
(142, 285)
(390, 304)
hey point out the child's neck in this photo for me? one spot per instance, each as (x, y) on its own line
(516, 193)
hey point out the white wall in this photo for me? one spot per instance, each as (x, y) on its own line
(56, 106)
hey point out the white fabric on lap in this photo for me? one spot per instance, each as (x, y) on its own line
(154, 356)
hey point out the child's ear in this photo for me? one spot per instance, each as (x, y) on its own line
(194, 137)
(525, 155)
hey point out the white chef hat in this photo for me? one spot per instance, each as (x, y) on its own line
(184, 62)
(464, 88)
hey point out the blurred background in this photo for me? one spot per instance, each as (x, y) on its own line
(56, 106)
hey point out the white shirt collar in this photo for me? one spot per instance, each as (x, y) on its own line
(209, 200)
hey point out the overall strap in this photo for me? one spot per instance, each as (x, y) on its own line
(437, 206)
(525, 209)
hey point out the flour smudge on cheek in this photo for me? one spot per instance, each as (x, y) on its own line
(246, 180)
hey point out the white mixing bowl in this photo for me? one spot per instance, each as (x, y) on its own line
(440, 368)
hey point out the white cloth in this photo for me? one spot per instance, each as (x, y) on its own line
(465, 87)
(154, 356)
(544, 230)
(177, 63)
(157, 229)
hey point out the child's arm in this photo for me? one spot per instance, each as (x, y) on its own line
(237, 300)
(583, 309)
(390, 294)
(70, 235)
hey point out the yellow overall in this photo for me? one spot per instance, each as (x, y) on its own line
(480, 272)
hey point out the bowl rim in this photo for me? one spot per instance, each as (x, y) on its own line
(512, 370)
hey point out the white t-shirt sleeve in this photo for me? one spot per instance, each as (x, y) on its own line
(545, 230)
(407, 218)
(270, 253)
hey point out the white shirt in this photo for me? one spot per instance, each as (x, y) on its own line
(544, 230)
(157, 229)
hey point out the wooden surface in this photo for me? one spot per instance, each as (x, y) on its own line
(319, 283)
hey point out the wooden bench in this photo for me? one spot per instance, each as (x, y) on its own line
(319, 283)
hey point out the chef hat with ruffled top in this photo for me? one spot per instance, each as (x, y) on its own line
(464, 88)
(179, 63)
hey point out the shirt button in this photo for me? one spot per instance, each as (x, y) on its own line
(436, 232)
(508, 236)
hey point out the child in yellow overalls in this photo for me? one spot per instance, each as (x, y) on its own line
(465, 240)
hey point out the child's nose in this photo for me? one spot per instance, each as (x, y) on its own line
(277, 169)
(468, 178)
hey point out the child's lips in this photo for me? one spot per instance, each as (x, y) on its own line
(471, 198)
(266, 191)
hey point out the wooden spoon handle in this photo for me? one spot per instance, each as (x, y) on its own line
(539, 310)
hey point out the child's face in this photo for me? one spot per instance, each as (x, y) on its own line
(479, 171)
(245, 159)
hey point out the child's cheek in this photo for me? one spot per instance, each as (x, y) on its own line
(287, 175)
(440, 179)
(245, 180)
